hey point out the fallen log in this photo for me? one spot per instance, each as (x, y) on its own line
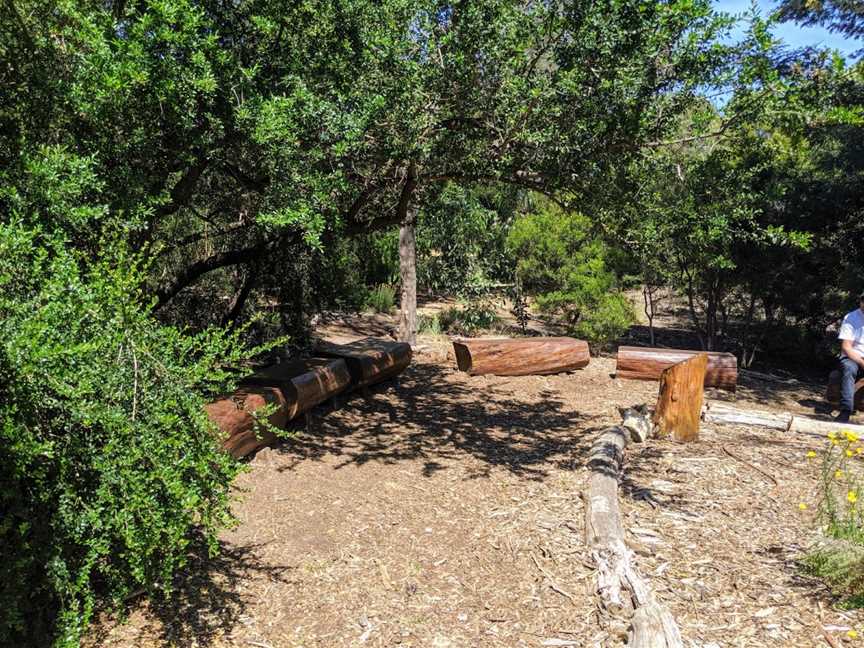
(304, 383)
(234, 417)
(646, 363)
(832, 392)
(719, 412)
(815, 426)
(680, 401)
(369, 360)
(520, 356)
(621, 588)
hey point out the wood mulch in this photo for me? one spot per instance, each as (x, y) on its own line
(445, 510)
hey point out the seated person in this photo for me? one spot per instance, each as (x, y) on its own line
(851, 358)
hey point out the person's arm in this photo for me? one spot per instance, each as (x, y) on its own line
(851, 353)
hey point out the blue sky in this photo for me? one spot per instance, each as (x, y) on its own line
(791, 33)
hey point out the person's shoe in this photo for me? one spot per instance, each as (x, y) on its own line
(843, 417)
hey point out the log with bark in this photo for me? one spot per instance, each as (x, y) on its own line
(679, 404)
(832, 393)
(233, 415)
(369, 360)
(645, 363)
(520, 356)
(304, 383)
(621, 588)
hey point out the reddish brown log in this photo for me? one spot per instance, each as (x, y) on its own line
(679, 405)
(521, 356)
(233, 415)
(832, 394)
(645, 363)
(304, 383)
(369, 360)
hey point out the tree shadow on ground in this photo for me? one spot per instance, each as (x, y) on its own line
(206, 602)
(431, 417)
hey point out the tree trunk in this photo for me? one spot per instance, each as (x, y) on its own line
(680, 402)
(304, 383)
(407, 213)
(369, 360)
(521, 356)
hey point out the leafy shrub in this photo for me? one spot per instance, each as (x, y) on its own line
(564, 266)
(475, 317)
(108, 465)
(381, 299)
(429, 324)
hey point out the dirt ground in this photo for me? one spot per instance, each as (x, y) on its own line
(445, 511)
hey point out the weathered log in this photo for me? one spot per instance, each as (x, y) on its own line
(680, 402)
(815, 426)
(304, 383)
(520, 356)
(369, 360)
(234, 417)
(621, 588)
(832, 393)
(645, 363)
(723, 413)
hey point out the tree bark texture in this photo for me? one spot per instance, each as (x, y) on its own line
(406, 210)
(304, 383)
(621, 589)
(680, 402)
(520, 356)
(369, 360)
(646, 363)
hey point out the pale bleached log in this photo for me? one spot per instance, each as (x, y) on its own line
(722, 413)
(619, 585)
(814, 426)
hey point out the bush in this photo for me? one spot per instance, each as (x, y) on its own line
(429, 324)
(108, 465)
(564, 266)
(475, 317)
(381, 299)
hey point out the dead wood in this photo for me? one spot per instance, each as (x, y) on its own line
(621, 589)
(680, 401)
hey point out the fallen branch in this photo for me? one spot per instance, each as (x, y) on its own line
(621, 589)
(747, 463)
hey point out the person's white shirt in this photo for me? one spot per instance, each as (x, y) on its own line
(852, 328)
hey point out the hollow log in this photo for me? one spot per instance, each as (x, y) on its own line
(645, 363)
(520, 356)
(621, 588)
(680, 402)
(832, 393)
(304, 383)
(369, 360)
(233, 416)
(718, 412)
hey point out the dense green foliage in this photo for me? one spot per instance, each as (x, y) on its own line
(565, 267)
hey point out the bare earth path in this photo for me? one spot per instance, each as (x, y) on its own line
(446, 511)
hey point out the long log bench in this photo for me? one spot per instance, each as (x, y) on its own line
(520, 356)
(369, 360)
(647, 363)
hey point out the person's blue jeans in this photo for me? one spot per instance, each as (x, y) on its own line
(849, 374)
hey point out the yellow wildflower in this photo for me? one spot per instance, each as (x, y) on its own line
(833, 441)
(849, 453)
(838, 474)
(852, 496)
(852, 634)
(851, 437)
(802, 506)
(811, 454)
(859, 450)
(832, 435)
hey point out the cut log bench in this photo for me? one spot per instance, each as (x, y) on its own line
(294, 388)
(369, 360)
(520, 356)
(832, 394)
(645, 363)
